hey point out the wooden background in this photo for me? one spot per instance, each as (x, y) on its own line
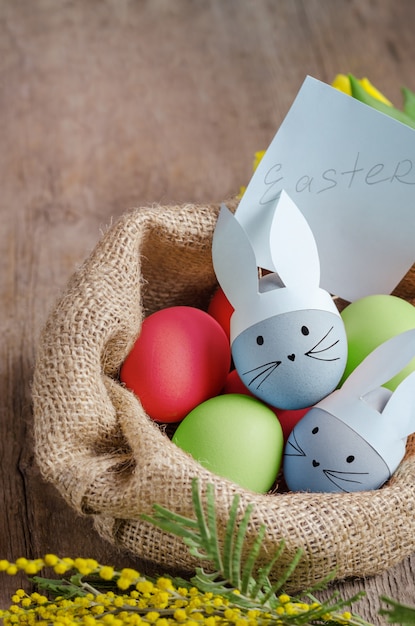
(112, 104)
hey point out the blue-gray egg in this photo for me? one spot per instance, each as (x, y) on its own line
(292, 360)
(323, 454)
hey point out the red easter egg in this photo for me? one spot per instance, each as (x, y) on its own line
(234, 384)
(180, 359)
(221, 309)
(287, 418)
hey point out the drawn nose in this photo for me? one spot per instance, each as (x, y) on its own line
(315, 463)
(291, 357)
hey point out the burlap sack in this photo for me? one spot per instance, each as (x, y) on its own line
(109, 460)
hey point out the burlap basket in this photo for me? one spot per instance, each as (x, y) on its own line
(109, 460)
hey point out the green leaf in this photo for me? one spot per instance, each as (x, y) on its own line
(238, 547)
(172, 523)
(362, 95)
(200, 515)
(248, 581)
(408, 102)
(229, 538)
(212, 535)
(263, 574)
(284, 577)
(62, 588)
(399, 613)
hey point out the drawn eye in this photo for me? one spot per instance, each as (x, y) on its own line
(315, 430)
(350, 459)
(260, 340)
(305, 330)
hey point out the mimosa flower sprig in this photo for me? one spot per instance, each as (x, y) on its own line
(235, 577)
(237, 593)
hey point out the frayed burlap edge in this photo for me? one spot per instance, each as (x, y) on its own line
(94, 442)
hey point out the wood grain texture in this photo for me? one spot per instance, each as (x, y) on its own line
(110, 104)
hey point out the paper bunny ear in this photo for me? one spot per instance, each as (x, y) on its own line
(400, 408)
(233, 259)
(292, 244)
(293, 249)
(292, 252)
(382, 364)
(384, 428)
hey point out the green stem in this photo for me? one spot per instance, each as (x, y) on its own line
(362, 95)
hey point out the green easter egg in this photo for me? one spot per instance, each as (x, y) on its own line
(369, 322)
(236, 437)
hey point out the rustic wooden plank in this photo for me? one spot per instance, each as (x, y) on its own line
(108, 105)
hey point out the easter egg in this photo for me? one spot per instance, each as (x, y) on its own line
(236, 437)
(289, 418)
(221, 310)
(286, 417)
(369, 322)
(181, 358)
(234, 384)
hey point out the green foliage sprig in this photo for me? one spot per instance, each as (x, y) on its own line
(235, 576)
(398, 613)
(228, 587)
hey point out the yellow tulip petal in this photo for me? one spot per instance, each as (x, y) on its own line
(257, 159)
(367, 86)
(342, 83)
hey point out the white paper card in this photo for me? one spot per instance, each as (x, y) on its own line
(351, 171)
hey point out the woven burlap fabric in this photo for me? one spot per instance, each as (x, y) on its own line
(95, 443)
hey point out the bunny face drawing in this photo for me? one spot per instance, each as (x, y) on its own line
(322, 454)
(288, 340)
(292, 360)
(355, 438)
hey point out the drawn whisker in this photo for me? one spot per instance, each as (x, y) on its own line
(336, 358)
(296, 446)
(269, 369)
(322, 339)
(266, 369)
(312, 353)
(323, 349)
(335, 476)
